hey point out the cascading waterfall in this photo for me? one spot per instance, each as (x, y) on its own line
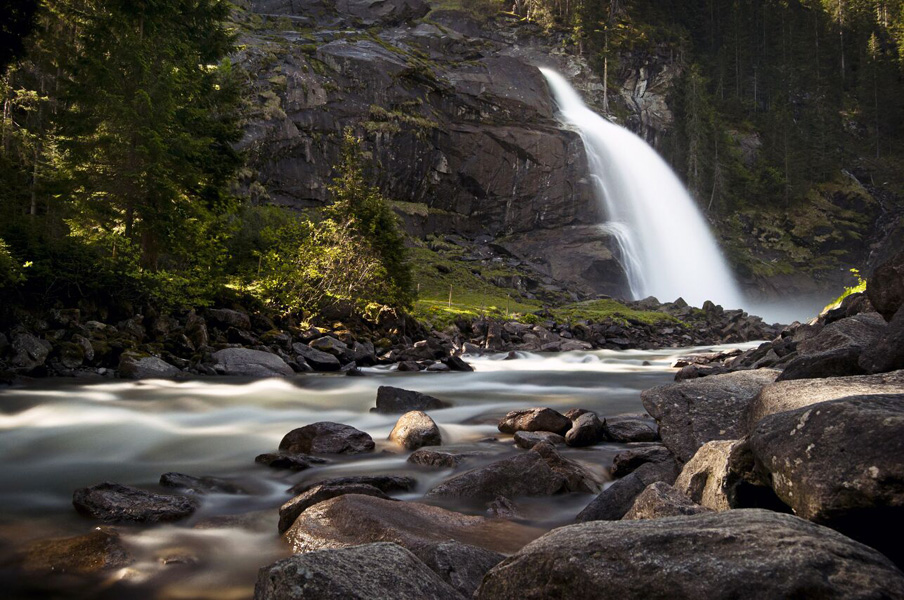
(667, 248)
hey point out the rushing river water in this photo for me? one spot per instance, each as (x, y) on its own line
(60, 435)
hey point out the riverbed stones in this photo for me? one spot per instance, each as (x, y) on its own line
(627, 431)
(738, 554)
(616, 500)
(30, 352)
(244, 362)
(100, 550)
(200, 485)
(326, 437)
(224, 318)
(537, 472)
(354, 519)
(535, 419)
(885, 288)
(660, 500)
(586, 430)
(790, 395)
(367, 572)
(384, 483)
(529, 439)
(393, 400)
(287, 460)
(414, 430)
(115, 503)
(840, 463)
(137, 366)
(693, 412)
(289, 511)
(629, 460)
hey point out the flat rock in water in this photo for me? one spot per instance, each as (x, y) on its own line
(354, 519)
(115, 503)
(535, 419)
(629, 460)
(200, 485)
(738, 554)
(414, 430)
(628, 431)
(289, 511)
(244, 362)
(586, 430)
(841, 463)
(697, 411)
(101, 550)
(292, 462)
(384, 483)
(529, 439)
(783, 396)
(367, 572)
(393, 400)
(660, 500)
(326, 438)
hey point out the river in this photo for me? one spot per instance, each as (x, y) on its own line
(60, 435)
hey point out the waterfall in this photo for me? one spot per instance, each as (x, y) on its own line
(667, 249)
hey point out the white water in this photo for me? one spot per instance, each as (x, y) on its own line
(667, 248)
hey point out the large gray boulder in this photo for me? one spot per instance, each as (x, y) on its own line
(136, 366)
(859, 331)
(326, 437)
(790, 395)
(460, 565)
(737, 555)
(693, 412)
(353, 519)
(115, 503)
(414, 430)
(840, 463)
(379, 571)
(660, 500)
(319, 361)
(393, 400)
(535, 419)
(838, 362)
(885, 288)
(538, 472)
(29, 351)
(244, 362)
(887, 354)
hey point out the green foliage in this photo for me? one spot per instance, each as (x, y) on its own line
(859, 287)
(10, 269)
(602, 310)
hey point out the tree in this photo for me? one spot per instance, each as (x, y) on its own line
(16, 21)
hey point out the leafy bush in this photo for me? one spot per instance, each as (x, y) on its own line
(10, 271)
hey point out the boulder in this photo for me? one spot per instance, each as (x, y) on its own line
(330, 345)
(660, 500)
(586, 430)
(457, 364)
(115, 503)
(840, 463)
(629, 460)
(283, 460)
(859, 331)
(30, 352)
(393, 400)
(437, 459)
(535, 419)
(630, 430)
(136, 366)
(697, 411)
(244, 362)
(326, 438)
(887, 354)
(614, 501)
(225, 318)
(289, 511)
(529, 439)
(319, 361)
(460, 565)
(704, 479)
(738, 554)
(840, 362)
(384, 483)
(353, 519)
(537, 472)
(790, 395)
(200, 485)
(367, 572)
(414, 430)
(98, 551)
(885, 288)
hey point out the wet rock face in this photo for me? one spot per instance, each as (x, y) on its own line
(840, 463)
(115, 503)
(535, 419)
(289, 511)
(586, 430)
(741, 554)
(380, 570)
(327, 438)
(392, 400)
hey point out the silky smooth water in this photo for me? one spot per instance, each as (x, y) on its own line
(667, 248)
(59, 435)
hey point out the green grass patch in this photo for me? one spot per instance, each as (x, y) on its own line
(601, 310)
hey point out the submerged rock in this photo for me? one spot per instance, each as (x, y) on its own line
(100, 550)
(439, 459)
(416, 429)
(200, 485)
(535, 419)
(586, 430)
(115, 503)
(289, 511)
(384, 483)
(660, 500)
(367, 572)
(285, 460)
(738, 554)
(327, 438)
(396, 400)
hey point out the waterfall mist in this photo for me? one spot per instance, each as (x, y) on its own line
(667, 248)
